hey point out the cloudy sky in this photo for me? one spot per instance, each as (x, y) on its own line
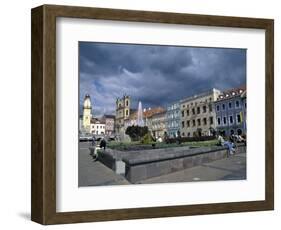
(153, 74)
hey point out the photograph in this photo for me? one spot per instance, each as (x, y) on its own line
(152, 113)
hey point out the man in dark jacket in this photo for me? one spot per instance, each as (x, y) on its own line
(103, 144)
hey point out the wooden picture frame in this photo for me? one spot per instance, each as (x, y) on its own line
(43, 207)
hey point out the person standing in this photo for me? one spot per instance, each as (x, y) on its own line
(93, 141)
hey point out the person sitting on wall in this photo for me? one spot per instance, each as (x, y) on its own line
(241, 139)
(103, 144)
(230, 145)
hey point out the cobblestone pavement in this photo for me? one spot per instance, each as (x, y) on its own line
(94, 173)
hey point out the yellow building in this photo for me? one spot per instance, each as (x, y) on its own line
(198, 116)
(87, 113)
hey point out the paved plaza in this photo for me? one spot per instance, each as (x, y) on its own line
(94, 173)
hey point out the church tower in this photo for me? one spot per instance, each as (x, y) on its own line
(122, 111)
(87, 113)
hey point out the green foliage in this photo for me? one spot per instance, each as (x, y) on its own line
(147, 139)
(136, 132)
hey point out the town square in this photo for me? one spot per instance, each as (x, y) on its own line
(189, 124)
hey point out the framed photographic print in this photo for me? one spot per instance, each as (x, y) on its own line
(140, 114)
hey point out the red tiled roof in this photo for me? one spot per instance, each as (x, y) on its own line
(147, 113)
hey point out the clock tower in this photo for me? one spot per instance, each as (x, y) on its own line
(87, 113)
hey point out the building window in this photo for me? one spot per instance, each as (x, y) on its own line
(223, 106)
(210, 107)
(193, 111)
(193, 123)
(204, 109)
(219, 121)
(127, 103)
(182, 113)
(188, 134)
(198, 122)
(205, 121)
(188, 123)
(238, 118)
(229, 105)
(231, 119)
(198, 110)
(182, 124)
(237, 104)
(127, 112)
(218, 108)
(182, 134)
(187, 112)
(211, 120)
(224, 120)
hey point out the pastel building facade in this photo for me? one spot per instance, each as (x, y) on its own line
(109, 121)
(231, 112)
(198, 115)
(158, 124)
(173, 119)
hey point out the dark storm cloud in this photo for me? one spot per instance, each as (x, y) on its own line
(155, 75)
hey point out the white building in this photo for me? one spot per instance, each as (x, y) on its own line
(97, 127)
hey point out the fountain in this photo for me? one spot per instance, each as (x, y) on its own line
(140, 121)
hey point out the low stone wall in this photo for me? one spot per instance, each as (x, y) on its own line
(143, 166)
(109, 157)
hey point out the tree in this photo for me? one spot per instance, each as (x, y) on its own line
(136, 132)
(147, 139)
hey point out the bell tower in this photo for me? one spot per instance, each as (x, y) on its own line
(87, 113)
(123, 105)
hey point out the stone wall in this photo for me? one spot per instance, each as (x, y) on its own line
(142, 167)
(144, 164)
